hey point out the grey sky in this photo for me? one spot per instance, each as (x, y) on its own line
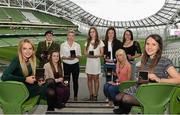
(121, 10)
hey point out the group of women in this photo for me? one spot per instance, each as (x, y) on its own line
(119, 65)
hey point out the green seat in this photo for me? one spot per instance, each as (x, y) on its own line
(13, 98)
(30, 103)
(136, 110)
(175, 102)
(154, 97)
(126, 84)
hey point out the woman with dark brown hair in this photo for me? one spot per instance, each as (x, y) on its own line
(94, 51)
(54, 77)
(160, 70)
(112, 44)
(132, 49)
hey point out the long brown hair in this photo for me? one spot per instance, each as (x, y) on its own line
(32, 59)
(157, 57)
(106, 36)
(58, 63)
(131, 33)
(97, 41)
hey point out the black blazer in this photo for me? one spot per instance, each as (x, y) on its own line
(116, 44)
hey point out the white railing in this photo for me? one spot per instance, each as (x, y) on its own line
(174, 55)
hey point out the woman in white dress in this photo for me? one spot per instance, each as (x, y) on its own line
(94, 48)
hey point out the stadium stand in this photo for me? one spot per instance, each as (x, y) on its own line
(23, 22)
(52, 14)
(30, 17)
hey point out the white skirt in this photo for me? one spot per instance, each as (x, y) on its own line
(93, 66)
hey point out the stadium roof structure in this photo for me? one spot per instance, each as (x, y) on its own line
(168, 14)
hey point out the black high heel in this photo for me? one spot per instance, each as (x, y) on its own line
(95, 98)
(91, 98)
(50, 109)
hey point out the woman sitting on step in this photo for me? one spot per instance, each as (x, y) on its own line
(123, 72)
(54, 77)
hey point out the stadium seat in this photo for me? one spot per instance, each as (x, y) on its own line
(175, 102)
(14, 98)
(126, 84)
(153, 98)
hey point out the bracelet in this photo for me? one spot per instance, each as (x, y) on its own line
(117, 83)
(159, 80)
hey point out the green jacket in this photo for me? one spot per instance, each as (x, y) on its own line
(42, 48)
(14, 73)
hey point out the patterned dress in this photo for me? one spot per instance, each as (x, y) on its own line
(160, 70)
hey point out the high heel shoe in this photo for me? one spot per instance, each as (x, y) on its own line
(50, 109)
(75, 98)
(95, 98)
(90, 98)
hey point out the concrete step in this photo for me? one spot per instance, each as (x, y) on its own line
(82, 108)
(82, 111)
(87, 105)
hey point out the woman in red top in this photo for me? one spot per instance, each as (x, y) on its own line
(123, 67)
(123, 73)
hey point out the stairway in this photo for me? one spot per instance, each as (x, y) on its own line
(84, 108)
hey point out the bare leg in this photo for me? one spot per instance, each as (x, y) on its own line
(96, 84)
(90, 84)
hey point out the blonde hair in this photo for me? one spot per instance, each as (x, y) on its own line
(32, 59)
(71, 31)
(122, 52)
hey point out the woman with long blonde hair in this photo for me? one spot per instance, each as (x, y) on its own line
(123, 73)
(23, 68)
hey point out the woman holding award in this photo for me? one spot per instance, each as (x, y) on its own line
(45, 47)
(23, 69)
(54, 77)
(93, 50)
(132, 49)
(70, 53)
(159, 69)
(112, 44)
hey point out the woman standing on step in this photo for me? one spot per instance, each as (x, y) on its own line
(45, 47)
(70, 53)
(132, 49)
(54, 77)
(112, 44)
(94, 51)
